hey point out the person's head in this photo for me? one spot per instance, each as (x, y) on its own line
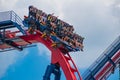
(64, 28)
(69, 33)
(71, 29)
(54, 18)
(68, 28)
(65, 32)
(58, 21)
(55, 26)
(61, 31)
(62, 23)
(39, 12)
(42, 14)
(45, 15)
(35, 10)
(30, 7)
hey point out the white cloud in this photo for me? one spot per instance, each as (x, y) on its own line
(9, 58)
(7, 4)
(59, 8)
(42, 49)
(96, 20)
(93, 20)
(6, 59)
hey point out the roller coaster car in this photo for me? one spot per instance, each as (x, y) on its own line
(60, 32)
(64, 45)
(57, 42)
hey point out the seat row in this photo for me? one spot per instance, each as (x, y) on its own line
(50, 24)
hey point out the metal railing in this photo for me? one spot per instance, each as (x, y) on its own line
(4, 16)
(11, 16)
(106, 52)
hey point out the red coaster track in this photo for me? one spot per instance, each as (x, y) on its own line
(10, 40)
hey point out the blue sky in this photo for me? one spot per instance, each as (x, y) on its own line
(96, 20)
